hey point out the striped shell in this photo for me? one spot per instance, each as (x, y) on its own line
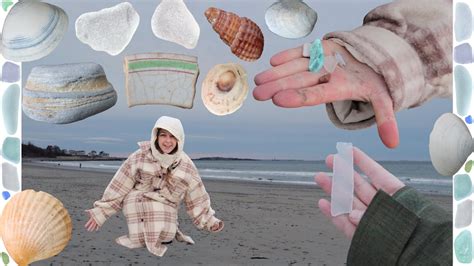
(34, 226)
(242, 35)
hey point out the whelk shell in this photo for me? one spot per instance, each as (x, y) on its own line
(224, 89)
(34, 226)
(242, 35)
(290, 18)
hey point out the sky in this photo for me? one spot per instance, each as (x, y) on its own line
(258, 130)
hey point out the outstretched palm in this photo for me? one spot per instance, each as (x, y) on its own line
(290, 84)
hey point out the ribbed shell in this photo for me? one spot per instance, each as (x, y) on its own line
(242, 35)
(34, 226)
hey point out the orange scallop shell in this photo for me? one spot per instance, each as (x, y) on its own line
(242, 35)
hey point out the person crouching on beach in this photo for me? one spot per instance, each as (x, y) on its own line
(149, 187)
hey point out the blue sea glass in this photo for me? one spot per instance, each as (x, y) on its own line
(5, 195)
(462, 22)
(463, 53)
(10, 179)
(462, 186)
(10, 108)
(11, 149)
(463, 86)
(316, 56)
(10, 72)
(468, 119)
(463, 214)
(463, 247)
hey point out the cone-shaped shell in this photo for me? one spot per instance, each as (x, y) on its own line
(225, 89)
(450, 144)
(34, 226)
(242, 35)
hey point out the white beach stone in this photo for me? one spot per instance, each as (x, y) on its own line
(110, 29)
(173, 22)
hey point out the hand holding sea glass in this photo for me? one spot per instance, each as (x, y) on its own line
(289, 83)
(364, 191)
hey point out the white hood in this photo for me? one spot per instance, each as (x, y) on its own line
(174, 126)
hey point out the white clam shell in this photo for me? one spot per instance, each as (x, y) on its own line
(172, 21)
(290, 18)
(32, 30)
(450, 144)
(221, 102)
(34, 226)
(110, 29)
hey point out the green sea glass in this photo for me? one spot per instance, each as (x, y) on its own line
(10, 108)
(6, 4)
(463, 247)
(468, 166)
(462, 186)
(11, 149)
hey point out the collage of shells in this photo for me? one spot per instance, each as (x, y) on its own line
(68, 92)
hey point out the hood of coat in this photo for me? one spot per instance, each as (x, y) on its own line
(175, 127)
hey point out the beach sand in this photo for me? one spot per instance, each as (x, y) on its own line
(265, 224)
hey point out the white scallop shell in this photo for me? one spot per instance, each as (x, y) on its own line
(32, 30)
(34, 226)
(290, 18)
(221, 102)
(172, 21)
(450, 144)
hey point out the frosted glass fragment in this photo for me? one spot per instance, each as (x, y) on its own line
(342, 192)
(463, 53)
(11, 149)
(462, 22)
(10, 108)
(462, 186)
(464, 214)
(463, 247)
(10, 72)
(10, 178)
(463, 87)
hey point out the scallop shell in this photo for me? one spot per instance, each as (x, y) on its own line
(34, 226)
(32, 30)
(242, 35)
(225, 89)
(450, 144)
(291, 18)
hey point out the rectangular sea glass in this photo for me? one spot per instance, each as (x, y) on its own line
(342, 192)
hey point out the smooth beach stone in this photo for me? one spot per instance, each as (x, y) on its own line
(6, 4)
(10, 72)
(462, 186)
(468, 166)
(11, 149)
(10, 178)
(5, 195)
(463, 53)
(67, 93)
(32, 30)
(110, 29)
(463, 214)
(463, 247)
(463, 82)
(462, 22)
(10, 108)
(468, 119)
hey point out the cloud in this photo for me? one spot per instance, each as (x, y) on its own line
(102, 140)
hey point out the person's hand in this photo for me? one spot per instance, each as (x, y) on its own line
(91, 224)
(364, 191)
(290, 84)
(217, 227)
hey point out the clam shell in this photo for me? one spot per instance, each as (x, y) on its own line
(290, 18)
(67, 93)
(450, 144)
(224, 89)
(242, 35)
(32, 30)
(172, 21)
(34, 226)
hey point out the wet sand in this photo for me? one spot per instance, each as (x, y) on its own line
(265, 224)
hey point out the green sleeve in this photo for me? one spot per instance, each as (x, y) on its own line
(405, 229)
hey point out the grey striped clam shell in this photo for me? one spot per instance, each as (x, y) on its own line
(67, 93)
(32, 30)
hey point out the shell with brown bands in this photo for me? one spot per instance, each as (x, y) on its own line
(242, 34)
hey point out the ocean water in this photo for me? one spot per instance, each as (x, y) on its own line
(420, 175)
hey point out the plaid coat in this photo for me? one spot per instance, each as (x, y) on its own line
(149, 198)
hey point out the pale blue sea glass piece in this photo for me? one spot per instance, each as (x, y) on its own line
(463, 53)
(10, 72)
(463, 214)
(11, 149)
(10, 108)
(462, 22)
(462, 186)
(316, 56)
(463, 247)
(10, 178)
(463, 86)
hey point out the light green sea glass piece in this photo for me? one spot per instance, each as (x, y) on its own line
(6, 4)
(11, 149)
(462, 186)
(10, 107)
(468, 166)
(463, 247)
